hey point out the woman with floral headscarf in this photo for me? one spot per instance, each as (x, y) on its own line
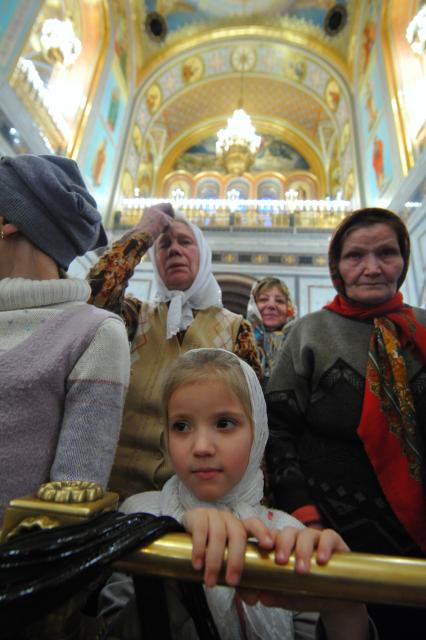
(187, 312)
(269, 311)
(347, 407)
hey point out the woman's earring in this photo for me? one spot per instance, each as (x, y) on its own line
(2, 236)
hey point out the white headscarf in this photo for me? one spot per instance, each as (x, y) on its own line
(202, 294)
(244, 499)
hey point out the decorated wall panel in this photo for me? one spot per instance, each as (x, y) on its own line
(376, 134)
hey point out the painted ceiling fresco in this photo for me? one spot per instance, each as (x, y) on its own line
(181, 13)
(296, 84)
(273, 155)
(183, 17)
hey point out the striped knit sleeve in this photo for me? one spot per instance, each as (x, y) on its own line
(94, 401)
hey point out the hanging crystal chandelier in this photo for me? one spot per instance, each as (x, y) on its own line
(416, 32)
(238, 143)
(59, 42)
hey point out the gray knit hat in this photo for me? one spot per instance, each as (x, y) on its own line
(46, 198)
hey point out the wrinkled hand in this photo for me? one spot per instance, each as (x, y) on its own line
(156, 219)
(212, 531)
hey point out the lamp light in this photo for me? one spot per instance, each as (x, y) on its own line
(416, 31)
(238, 143)
(59, 42)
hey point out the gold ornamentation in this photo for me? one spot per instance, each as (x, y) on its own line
(127, 185)
(332, 95)
(295, 68)
(2, 236)
(344, 140)
(33, 523)
(70, 491)
(192, 69)
(137, 138)
(154, 98)
(243, 58)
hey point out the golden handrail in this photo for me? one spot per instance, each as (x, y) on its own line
(347, 576)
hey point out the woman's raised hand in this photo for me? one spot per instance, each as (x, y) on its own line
(212, 531)
(156, 219)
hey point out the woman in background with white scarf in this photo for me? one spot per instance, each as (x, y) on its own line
(187, 313)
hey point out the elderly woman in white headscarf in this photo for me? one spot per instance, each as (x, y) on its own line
(187, 313)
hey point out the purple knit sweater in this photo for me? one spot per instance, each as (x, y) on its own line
(34, 384)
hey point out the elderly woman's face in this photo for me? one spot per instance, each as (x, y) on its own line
(272, 305)
(177, 257)
(370, 264)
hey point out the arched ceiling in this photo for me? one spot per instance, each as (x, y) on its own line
(276, 107)
(297, 80)
(304, 18)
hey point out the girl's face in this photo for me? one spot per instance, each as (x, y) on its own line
(209, 437)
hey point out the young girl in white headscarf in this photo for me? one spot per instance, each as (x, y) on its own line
(216, 435)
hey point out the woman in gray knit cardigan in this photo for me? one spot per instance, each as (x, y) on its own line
(64, 365)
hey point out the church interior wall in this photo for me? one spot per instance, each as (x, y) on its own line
(126, 140)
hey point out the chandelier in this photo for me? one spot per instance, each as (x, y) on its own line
(416, 32)
(59, 42)
(238, 143)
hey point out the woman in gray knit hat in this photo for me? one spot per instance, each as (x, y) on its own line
(64, 364)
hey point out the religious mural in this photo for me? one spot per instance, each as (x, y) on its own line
(192, 69)
(104, 142)
(369, 35)
(375, 136)
(121, 38)
(274, 155)
(181, 13)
